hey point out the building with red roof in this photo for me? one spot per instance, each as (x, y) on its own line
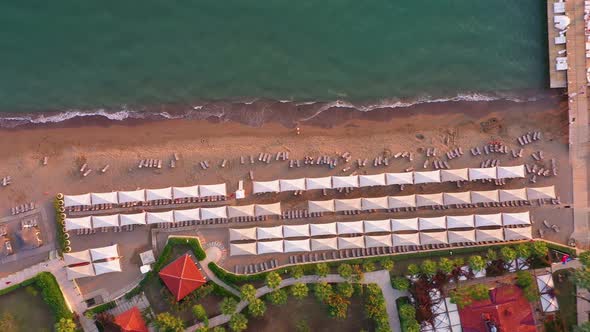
(182, 277)
(131, 321)
(507, 309)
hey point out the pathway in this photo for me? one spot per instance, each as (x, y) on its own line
(381, 278)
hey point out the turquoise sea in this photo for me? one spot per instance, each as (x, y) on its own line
(72, 54)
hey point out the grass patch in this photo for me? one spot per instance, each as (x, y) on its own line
(565, 291)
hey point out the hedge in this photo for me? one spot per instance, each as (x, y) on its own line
(101, 308)
(60, 235)
(50, 293)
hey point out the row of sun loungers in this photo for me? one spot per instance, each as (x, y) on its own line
(98, 207)
(22, 208)
(529, 137)
(150, 163)
(256, 267)
(6, 181)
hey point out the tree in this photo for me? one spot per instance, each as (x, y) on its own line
(585, 258)
(400, 283)
(524, 279)
(479, 292)
(322, 291)
(428, 267)
(539, 249)
(407, 312)
(273, 280)
(338, 306)
(256, 308)
(278, 297)
(523, 250)
(65, 325)
(369, 266)
(508, 254)
(297, 271)
(218, 329)
(387, 263)
(200, 314)
(248, 292)
(322, 269)
(582, 277)
(446, 265)
(458, 262)
(461, 297)
(228, 305)
(299, 290)
(8, 322)
(492, 254)
(413, 269)
(165, 322)
(238, 322)
(477, 263)
(345, 289)
(345, 270)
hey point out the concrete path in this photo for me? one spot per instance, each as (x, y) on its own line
(381, 278)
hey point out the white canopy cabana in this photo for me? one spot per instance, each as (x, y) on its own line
(292, 185)
(350, 204)
(323, 229)
(399, 178)
(375, 226)
(432, 223)
(429, 199)
(260, 187)
(159, 217)
(275, 232)
(107, 267)
(318, 183)
(209, 190)
(372, 180)
(240, 249)
(71, 258)
(545, 283)
(489, 235)
(488, 196)
(375, 203)
(269, 247)
(451, 175)
(350, 227)
(330, 243)
(397, 202)
(273, 209)
(433, 238)
(240, 211)
(219, 212)
(508, 172)
(512, 195)
(482, 220)
(427, 177)
(351, 242)
(548, 303)
(461, 236)
(372, 241)
(467, 221)
(521, 233)
(320, 206)
(521, 218)
(104, 252)
(81, 271)
(482, 173)
(457, 198)
(185, 192)
(187, 215)
(238, 234)
(350, 181)
(104, 198)
(404, 224)
(541, 193)
(406, 239)
(78, 223)
(105, 221)
(132, 219)
(131, 196)
(296, 245)
(77, 200)
(157, 194)
(296, 230)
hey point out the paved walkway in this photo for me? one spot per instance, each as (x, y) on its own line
(381, 278)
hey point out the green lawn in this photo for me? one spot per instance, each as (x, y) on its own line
(565, 291)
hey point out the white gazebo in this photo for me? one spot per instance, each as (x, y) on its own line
(399, 178)
(320, 206)
(429, 200)
(238, 234)
(372, 180)
(432, 223)
(77, 200)
(350, 227)
(261, 187)
(489, 235)
(323, 229)
(105, 221)
(521, 233)
(133, 196)
(373, 241)
(132, 219)
(410, 224)
(185, 192)
(107, 267)
(509, 172)
(160, 217)
(482, 174)
(81, 271)
(507, 195)
(78, 257)
(296, 245)
(330, 243)
(541, 193)
(274, 232)
(269, 247)
(406, 239)
(104, 252)
(318, 183)
(457, 198)
(427, 177)
(488, 196)
(292, 185)
(461, 236)
(241, 249)
(104, 198)
(187, 215)
(520, 218)
(240, 211)
(377, 226)
(296, 231)
(482, 220)
(210, 190)
(452, 175)
(398, 202)
(350, 181)
(355, 242)
(467, 221)
(374, 203)
(433, 238)
(158, 194)
(350, 204)
(273, 209)
(78, 223)
(219, 212)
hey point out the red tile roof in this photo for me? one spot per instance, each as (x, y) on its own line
(182, 277)
(507, 308)
(131, 321)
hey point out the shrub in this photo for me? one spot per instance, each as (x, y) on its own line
(228, 306)
(539, 249)
(428, 267)
(256, 308)
(200, 314)
(169, 323)
(299, 290)
(479, 292)
(100, 308)
(52, 295)
(297, 271)
(477, 263)
(446, 265)
(345, 270)
(523, 250)
(248, 292)
(413, 269)
(322, 269)
(400, 283)
(337, 306)
(65, 325)
(277, 297)
(369, 266)
(273, 280)
(375, 307)
(508, 254)
(492, 254)
(238, 322)
(524, 279)
(193, 243)
(345, 289)
(387, 263)
(322, 291)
